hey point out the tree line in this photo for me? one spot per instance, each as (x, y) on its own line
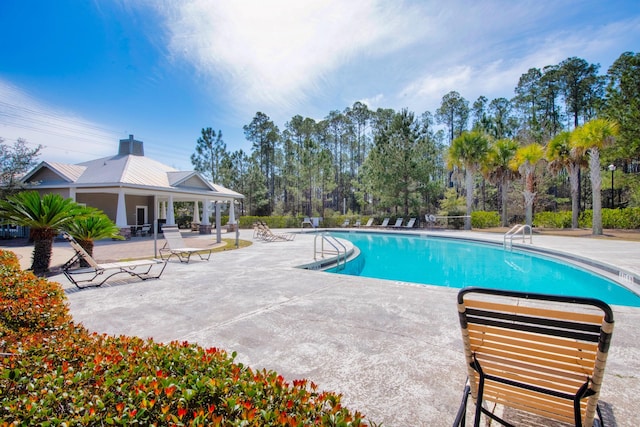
(383, 161)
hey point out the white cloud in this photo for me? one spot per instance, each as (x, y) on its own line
(492, 65)
(278, 53)
(374, 102)
(65, 136)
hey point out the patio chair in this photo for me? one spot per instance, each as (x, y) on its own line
(385, 222)
(97, 274)
(430, 219)
(398, 223)
(144, 230)
(263, 232)
(369, 222)
(410, 224)
(345, 223)
(543, 355)
(174, 246)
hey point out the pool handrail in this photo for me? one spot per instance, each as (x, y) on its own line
(518, 228)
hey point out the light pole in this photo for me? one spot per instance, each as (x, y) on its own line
(612, 168)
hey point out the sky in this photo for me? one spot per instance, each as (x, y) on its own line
(76, 76)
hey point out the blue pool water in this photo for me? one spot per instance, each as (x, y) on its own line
(457, 264)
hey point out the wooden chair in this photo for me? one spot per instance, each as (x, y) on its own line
(541, 354)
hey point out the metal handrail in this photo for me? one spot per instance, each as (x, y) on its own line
(333, 242)
(518, 228)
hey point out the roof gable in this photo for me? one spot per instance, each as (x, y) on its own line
(188, 179)
(54, 173)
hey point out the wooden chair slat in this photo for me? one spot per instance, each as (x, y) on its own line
(592, 318)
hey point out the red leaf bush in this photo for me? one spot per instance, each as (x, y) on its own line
(53, 372)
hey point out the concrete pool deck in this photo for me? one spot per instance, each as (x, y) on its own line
(392, 349)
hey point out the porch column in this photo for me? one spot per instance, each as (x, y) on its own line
(163, 210)
(232, 211)
(196, 212)
(205, 212)
(121, 211)
(218, 228)
(72, 193)
(171, 220)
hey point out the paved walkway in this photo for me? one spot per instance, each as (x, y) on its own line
(392, 349)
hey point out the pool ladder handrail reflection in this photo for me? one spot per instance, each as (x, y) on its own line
(335, 244)
(518, 228)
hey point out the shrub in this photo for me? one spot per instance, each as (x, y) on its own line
(29, 305)
(483, 219)
(627, 218)
(60, 374)
(552, 219)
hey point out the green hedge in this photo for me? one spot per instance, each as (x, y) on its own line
(58, 373)
(552, 219)
(483, 219)
(624, 219)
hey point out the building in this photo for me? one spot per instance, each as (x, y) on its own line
(134, 190)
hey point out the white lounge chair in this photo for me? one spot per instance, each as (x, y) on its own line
(263, 232)
(398, 223)
(410, 224)
(369, 223)
(97, 274)
(175, 246)
(385, 222)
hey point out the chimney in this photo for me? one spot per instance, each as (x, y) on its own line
(131, 146)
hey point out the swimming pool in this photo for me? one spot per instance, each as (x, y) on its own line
(458, 264)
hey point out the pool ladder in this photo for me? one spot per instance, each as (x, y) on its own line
(507, 242)
(338, 249)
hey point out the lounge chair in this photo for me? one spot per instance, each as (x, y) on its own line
(358, 223)
(97, 274)
(385, 222)
(345, 223)
(307, 221)
(174, 246)
(410, 224)
(398, 223)
(539, 354)
(263, 232)
(369, 223)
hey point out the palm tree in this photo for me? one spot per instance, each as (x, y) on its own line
(525, 161)
(592, 137)
(46, 216)
(498, 171)
(468, 150)
(561, 155)
(92, 225)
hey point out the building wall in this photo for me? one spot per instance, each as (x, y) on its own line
(63, 192)
(108, 203)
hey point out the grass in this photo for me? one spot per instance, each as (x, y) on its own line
(230, 245)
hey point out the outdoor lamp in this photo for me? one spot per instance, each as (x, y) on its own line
(612, 168)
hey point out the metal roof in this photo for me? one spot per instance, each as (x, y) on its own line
(131, 170)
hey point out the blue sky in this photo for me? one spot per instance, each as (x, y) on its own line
(78, 75)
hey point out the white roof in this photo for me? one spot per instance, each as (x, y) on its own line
(126, 170)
